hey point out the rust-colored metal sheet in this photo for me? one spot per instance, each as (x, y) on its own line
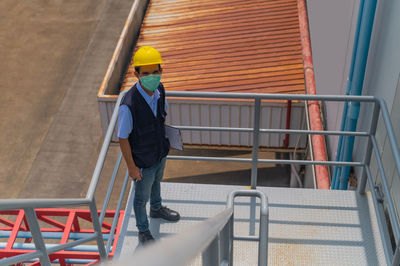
(225, 45)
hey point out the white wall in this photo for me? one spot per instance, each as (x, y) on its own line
(382, 79)
(332, 26)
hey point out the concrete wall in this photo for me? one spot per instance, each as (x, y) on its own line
(382, 79)
(332, 26)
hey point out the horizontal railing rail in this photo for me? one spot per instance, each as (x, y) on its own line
(213, 238)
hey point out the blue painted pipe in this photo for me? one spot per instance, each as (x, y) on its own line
(50, 235)
(30, 246)
(68, 261)
(339, 151)
(357, 81)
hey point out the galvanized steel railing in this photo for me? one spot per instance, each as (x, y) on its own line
(392, 256)
(212, 238)
(29, 205)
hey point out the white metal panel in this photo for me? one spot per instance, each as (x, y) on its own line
(205, 121)
(215, 121)
(195, 121)
(185, 120)
(225, 122)
(265, 123)
(224, 114)
(235, 120)
(235, 114)
(275, 122)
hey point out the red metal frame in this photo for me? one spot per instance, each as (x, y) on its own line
(71, 225)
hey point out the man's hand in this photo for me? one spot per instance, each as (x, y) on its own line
(135, 173)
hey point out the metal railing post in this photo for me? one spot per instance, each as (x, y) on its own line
(231, 240)
(37, 236)
(368, 151)
(110, 187)
(396, 256)
(97, 229)
(210, 256)
(224, 245)
(256, 138)
(117, 211)
(263, 245)
(389, 199)
(264, 215)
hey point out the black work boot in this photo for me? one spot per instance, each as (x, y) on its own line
(145, 238)
(165, 213)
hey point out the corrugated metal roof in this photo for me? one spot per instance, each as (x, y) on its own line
(225, 45)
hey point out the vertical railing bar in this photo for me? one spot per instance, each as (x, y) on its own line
(224, 243)
(392, 212)
(110, 187)
(380, 225)
(256, 134)
(368, 152)
(263, 244)
(252, 224)
(97, 228)
(231, 234)
(115, 220)
(210, 256)
(392, 138)
(37, 236)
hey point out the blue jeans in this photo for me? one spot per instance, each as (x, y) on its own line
(148, 187)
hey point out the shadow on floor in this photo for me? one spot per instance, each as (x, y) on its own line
(278, 176)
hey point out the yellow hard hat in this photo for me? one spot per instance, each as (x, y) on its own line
(147, 55)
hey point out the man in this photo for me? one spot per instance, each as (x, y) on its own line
(142, 139)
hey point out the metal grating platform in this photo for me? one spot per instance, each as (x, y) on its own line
(307, 227)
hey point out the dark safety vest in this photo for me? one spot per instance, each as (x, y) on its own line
(147, 139)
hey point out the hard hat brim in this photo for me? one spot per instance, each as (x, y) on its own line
(149, 63)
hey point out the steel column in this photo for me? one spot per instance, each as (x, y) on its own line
(37, 236)
(256, 136)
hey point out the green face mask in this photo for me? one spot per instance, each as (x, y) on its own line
(151, 82)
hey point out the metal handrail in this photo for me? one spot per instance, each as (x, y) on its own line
(380, 108)
(30, 204)
(212, 237)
